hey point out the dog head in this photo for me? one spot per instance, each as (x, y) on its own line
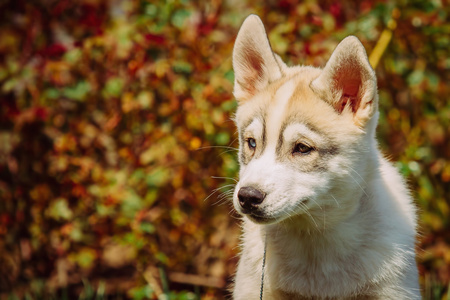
(305, 133)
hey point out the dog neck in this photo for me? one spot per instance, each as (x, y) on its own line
(299, 248)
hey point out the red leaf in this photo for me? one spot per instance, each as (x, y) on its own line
(53, 50)
(336, 9)
(41, 113)
(155, 39)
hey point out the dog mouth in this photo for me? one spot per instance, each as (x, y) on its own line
(259, 214)
(259, 218)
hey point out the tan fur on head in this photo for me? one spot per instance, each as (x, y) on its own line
(347, 82)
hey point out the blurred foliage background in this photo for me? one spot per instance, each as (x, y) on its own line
(117, 146)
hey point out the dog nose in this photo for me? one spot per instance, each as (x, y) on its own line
(250, 198)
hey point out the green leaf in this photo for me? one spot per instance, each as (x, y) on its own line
(73, 56)
(158, 177)
(9, 85)
(179, 18)
(142, 292)
(162, 257)
(145, 99)
(85, 257)
(131, 204)
(147, 227)
(59, 210)
(77, 92)
(52, 93)
(229, 75)
(182, 67)
(223, 138)
(113, 87)
(76, 234)
(415, 77)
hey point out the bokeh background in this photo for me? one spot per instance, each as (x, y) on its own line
(117, 145)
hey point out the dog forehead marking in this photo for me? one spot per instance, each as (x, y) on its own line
(277, 109)
(283, 95)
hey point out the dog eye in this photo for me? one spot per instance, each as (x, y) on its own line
(251, 143)
(301, 149)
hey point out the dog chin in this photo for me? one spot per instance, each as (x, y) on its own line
(262, 220)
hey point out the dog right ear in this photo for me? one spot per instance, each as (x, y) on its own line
(348, 82)
(254, 63)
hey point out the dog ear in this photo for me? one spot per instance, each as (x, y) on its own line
(254, 63)
(348, 82)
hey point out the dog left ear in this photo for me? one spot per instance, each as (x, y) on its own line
(254, 63)
(348, 82)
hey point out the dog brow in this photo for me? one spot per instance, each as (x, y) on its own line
(314, 134)
(291, 121)
(260, 117)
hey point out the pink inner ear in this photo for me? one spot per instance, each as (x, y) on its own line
(349, 82)
(254, 69)
(351, 87)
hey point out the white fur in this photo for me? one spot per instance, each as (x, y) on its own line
(294, 131)
(255, 129)
(338, 220)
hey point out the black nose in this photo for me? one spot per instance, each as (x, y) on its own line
(250, 198)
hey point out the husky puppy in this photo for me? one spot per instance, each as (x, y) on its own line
(332, 216)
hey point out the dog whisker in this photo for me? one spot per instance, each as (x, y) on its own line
(357, 174)
(224, 197)
(304, 209)
(362, 189)
(316, 203)
(337, 202)
(229, 149)
(218, 189)
(221, 147)
(230, 178)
